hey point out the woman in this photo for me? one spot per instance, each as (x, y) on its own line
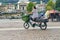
(34, 13)
(34, 16)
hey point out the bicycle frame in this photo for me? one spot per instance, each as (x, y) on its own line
(37, 23)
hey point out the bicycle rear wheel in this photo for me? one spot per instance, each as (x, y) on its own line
(43, 26)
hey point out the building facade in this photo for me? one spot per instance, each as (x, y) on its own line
(41, 6)
(10, 7)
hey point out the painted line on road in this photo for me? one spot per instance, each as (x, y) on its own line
(5, 29)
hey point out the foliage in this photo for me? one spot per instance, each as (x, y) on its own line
(49, 8)
(58, 8)
(30, 6)
(50, 5)
(58, 5)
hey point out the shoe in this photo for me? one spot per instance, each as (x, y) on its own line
(33, 25)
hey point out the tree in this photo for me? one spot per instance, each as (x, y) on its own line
(50, 5)
(58, 8)
(30, 6)
(58, 5)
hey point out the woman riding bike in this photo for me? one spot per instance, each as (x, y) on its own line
(34, 15)
(40, 22)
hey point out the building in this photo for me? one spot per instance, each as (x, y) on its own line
(8, 11)
(22, 4)
(2, 8)
(10, 7)
(7, 8)
(40, 3)
(41, 6)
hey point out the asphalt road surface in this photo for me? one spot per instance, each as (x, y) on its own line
(30, 34)
(14, 30)
(18, 23)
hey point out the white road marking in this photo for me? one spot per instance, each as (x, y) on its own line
(5, 29)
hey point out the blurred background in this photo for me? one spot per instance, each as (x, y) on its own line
(12, 9)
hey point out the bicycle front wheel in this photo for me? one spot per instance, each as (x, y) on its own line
(26, 25)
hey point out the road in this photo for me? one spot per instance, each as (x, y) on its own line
(30, 34)
(14, 30)
(18, 23)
